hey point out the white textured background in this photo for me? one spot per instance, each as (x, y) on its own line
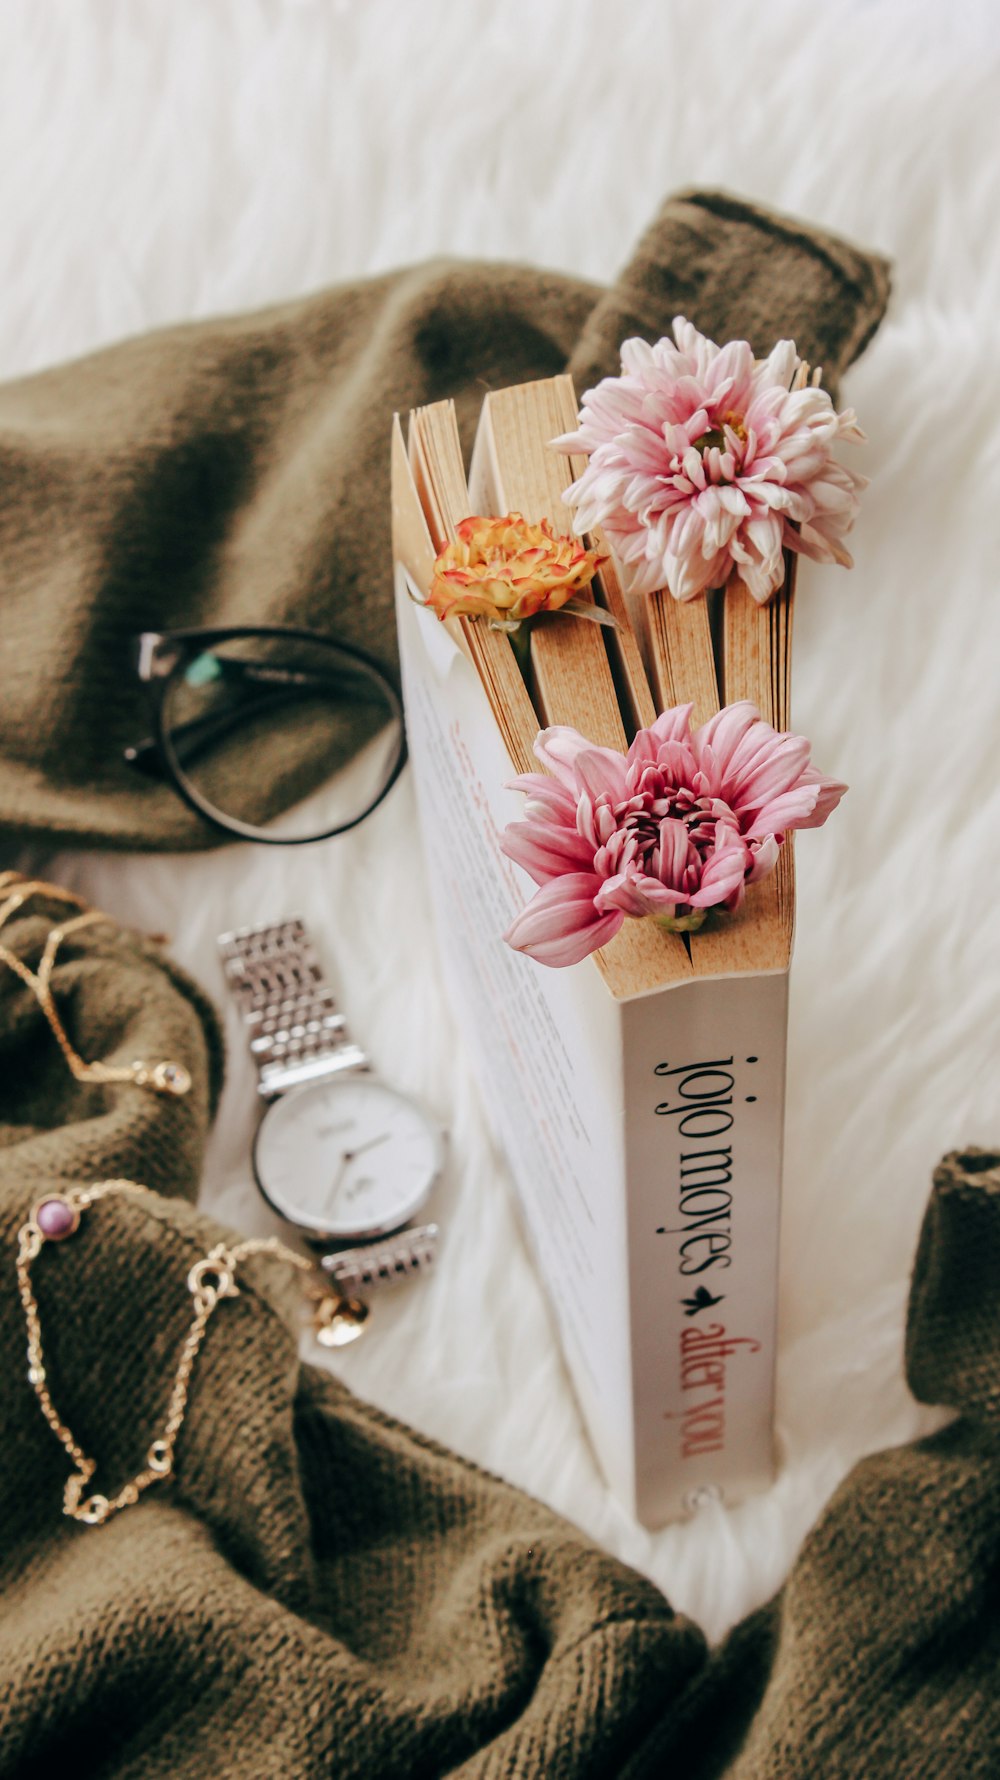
(163, 159)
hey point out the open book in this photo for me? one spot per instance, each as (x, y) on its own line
(639, 1094)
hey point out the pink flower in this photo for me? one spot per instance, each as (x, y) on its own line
(678, 825)
(703, 458)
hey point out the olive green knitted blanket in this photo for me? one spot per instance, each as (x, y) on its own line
(321, 1591)
(237, 471)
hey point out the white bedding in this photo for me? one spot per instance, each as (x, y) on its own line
(176, 160)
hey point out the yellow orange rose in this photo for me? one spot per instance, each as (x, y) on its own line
(507, 570)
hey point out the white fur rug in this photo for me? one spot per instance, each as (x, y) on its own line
(176, 160)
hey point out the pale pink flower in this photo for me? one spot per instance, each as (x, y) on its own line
(704, 459)
(680, 824)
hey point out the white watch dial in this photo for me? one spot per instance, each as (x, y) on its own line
(348, 1158)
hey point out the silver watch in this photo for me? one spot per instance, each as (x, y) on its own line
(338, 1154)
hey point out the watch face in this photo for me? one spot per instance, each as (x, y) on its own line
(347, 1158)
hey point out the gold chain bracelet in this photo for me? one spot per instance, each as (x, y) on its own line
(166, 1077)
(211, 1279)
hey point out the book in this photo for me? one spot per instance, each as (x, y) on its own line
(639, 1095)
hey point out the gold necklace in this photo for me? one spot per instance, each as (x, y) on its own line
(211, 1279)
(335, 1319)
(164, 1078)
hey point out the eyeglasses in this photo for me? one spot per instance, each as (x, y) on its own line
(252, 724)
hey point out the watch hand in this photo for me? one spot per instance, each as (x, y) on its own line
(338, 1177)
(350, 1155)
(370, 1145)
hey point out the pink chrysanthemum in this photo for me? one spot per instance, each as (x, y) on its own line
(704, 459)
(677, 826)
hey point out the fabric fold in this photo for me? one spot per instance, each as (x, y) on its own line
(236, 471)
(318, 1584)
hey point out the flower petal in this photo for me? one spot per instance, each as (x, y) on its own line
(561, 924)
(723, 874)
(765, 766)
(723, 734)
(546, 849)
(830, 793)
(621, 892)
(636, 894)
(601, 772)
(557, 748)
(765, 858)
(545, 796)
(675, 852)
(673, 725)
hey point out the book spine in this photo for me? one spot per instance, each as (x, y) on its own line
(704, 1112)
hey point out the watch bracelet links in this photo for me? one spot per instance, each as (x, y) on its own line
(297, 1036)
(296, 1033)
(386, 1262)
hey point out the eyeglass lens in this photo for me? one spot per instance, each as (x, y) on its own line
(286, 736)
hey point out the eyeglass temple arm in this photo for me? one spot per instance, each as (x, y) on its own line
(234, 668)
(191, 738)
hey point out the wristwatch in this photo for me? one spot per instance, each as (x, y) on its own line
(340, 1155)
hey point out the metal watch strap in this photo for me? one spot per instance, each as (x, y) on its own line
(296, 1033)
(384, 1262)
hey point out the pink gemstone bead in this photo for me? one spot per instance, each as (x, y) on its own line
(55, 1219)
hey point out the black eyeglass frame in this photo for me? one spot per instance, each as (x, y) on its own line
(160, 655)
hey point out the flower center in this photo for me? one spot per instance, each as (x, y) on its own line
(716, 435)
(631, 829)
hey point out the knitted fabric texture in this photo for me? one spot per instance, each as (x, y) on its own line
(319, 1585)
(237, 471)
(321, 1590)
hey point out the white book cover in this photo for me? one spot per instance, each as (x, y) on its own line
(644, 1135)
